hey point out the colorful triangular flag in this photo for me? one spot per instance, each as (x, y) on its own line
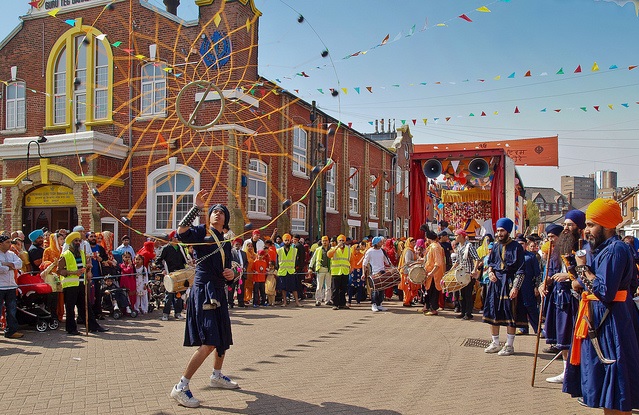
(625, 105)
(595, 67)
(463, 16)
(53, 12)
(385, 41)
(483, 9)
(560, 71)
(527, 74)
(596, 107)
(578, 69)
(516, 110)
(425, 121)
(512, 75)
(370, 89)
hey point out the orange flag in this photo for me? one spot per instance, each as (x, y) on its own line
(161, 141)
(376, 181)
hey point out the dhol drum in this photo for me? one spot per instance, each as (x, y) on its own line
(455, 279)
(417, 274)
(383, 280)
(179, 280)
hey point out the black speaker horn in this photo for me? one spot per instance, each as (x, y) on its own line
(432, 168)
(478, 167)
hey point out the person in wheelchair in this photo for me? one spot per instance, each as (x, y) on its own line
(115, 299)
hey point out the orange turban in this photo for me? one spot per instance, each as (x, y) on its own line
(286, 237)
(341, 238)
(604, 212)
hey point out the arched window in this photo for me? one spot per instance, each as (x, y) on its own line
(387, 200)
(153, 99)
(171, 194)
(257, 176)
(298, 217)
(79, 80)
(15, 102)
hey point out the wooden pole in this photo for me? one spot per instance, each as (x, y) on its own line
(541, 314)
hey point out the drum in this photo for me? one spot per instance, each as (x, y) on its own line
(455, 279)
(417, 274)
(179, 280)
(388, 279)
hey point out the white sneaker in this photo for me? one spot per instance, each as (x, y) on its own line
(493, 348)
(375, 308)
(128, 310)
(223, 382)
(506, 351)
(381, 308)
(165, 317)
(179, 316)
(556, 379)
(184, 397)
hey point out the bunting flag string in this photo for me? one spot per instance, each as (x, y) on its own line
(595, 69)
(517, 110)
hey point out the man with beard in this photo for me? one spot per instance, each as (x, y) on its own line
(340, 268)
(562, 304)
(506, 275)
(71, 268)
(36, 250)
(606, 340)
(286, 270)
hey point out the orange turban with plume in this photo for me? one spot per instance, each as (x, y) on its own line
(604, 212)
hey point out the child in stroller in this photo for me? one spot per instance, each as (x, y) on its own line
(156, 290)
(116, 299)
(31, 300)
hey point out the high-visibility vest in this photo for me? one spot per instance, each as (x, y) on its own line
(286, 262)
(72, 265)
(341, 264)
(318, 258)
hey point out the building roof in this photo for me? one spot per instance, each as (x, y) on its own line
(549, 194)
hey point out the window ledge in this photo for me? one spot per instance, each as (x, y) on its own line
(150, 117)
(373, 217)
(104, 121)
(14, 131)
(354, 214)
(300, 175)
(333, 211)
(259, 216)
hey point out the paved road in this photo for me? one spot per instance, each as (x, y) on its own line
(310, 360)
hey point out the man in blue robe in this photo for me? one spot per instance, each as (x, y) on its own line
(506, 275)
(606, 340)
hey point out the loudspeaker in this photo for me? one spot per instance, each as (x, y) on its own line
(432, 168)
(478, 167)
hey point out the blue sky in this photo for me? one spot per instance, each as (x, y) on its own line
(516, 36)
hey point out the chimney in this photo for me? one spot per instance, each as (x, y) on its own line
(171, 6)
(376, 127)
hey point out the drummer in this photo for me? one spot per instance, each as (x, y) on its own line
(208, 325)
(435, 266)
(406, 260)
(469, 259)
(378, 262)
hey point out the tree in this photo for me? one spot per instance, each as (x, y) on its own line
(532, 214)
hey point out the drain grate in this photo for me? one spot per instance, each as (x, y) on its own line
(477, 343)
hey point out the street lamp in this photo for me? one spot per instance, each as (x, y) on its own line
(42, 139)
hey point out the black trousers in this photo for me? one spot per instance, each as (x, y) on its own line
(338, 290)
(433, 297)
(466, 300)
(74, 297)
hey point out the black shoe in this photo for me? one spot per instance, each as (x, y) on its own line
(74, 333)
(581, 402)
(552, 349)
(460, 316)
(99, 329)
(100, 317)
(467, 317)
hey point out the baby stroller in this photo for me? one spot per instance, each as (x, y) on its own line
(115, 300)
(30, 301)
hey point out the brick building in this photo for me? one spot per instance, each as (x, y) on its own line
(97, 98)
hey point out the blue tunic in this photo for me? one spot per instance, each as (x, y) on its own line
(561, 310)
(209, 327)
(499, 310)
(612, 386)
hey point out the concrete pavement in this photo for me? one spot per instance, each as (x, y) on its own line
(310, 360)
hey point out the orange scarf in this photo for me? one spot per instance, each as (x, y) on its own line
(581, 327)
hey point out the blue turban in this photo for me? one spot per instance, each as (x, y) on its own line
(227, 215)
(35, 235)
(377, 240)
(506, 224)
(578, 217)
(554, 229)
